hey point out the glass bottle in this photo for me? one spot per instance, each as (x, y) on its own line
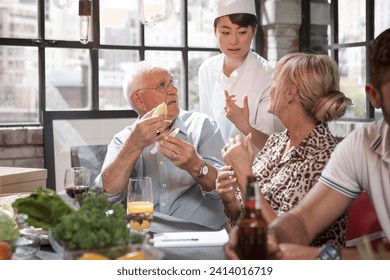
(252, 227)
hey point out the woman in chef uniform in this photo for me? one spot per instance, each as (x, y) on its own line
(234, 85)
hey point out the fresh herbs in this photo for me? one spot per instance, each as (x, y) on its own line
(44, 208)
(96, 225)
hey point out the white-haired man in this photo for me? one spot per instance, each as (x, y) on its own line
(185, 167)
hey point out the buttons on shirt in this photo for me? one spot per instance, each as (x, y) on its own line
(163, 204)
(164, 185)
(161, 162)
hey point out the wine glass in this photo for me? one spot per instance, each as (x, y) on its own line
(140, 204)
(76, 183)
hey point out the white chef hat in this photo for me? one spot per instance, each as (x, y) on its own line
(228, 7)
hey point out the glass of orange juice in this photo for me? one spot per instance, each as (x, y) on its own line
(140, 204)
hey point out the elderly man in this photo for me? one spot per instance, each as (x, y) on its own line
(361, 162)
(183, 168)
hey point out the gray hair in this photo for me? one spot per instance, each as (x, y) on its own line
(133, 80)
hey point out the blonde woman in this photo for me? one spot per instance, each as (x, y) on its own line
(305, 96)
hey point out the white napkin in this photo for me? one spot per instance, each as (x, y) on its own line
(155, 148)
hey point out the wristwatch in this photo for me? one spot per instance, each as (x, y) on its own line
(203, 170)
(329, 252)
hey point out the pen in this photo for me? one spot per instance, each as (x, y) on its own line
(182, 239)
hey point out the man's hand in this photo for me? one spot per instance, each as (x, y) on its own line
(230, 247)
(149, 129)
(274, 251)
(181, 153)
(298, 252)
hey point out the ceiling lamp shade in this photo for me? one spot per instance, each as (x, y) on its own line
(151, 12)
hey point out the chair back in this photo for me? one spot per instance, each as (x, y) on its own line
(363, 221)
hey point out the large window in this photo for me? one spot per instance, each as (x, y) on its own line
(345, 29)
(44, 66)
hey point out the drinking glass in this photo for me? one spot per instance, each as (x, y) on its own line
(76, 183)
(140, 204)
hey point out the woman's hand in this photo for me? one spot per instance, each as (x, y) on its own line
(237, 153)
(239, 156)
(226, 184)
(237, 115)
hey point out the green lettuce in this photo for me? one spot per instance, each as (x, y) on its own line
(8, 228)
(44, 208)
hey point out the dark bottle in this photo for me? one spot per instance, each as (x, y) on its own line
(252, 227)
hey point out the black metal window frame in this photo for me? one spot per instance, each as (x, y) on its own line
(94, 47)
(335, 46)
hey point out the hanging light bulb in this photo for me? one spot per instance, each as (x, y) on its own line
(85, 12)
(62, 4)
(152, 12)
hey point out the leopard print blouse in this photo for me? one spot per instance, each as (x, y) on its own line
(284, 181)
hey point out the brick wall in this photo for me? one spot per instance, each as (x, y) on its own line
(21, 147)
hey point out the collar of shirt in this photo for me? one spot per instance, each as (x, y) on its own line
(236, 72)
(310, 143)
(381, 143)
(179, 123)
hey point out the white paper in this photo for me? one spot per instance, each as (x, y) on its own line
(191, 239)
(156, 144)
(155, 148)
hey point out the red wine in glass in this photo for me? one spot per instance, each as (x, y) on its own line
(76, 183)
(77, 193)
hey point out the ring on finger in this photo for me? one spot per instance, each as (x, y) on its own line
(174, 156)
(158, 132)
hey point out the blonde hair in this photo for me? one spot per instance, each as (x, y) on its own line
(317, 80)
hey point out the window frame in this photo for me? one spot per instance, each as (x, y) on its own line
(94, 46)
(335, 46)
(53, 163)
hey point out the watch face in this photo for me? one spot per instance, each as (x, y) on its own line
(205, 170)
(329, 252)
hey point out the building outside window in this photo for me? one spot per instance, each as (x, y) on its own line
(350, 27)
